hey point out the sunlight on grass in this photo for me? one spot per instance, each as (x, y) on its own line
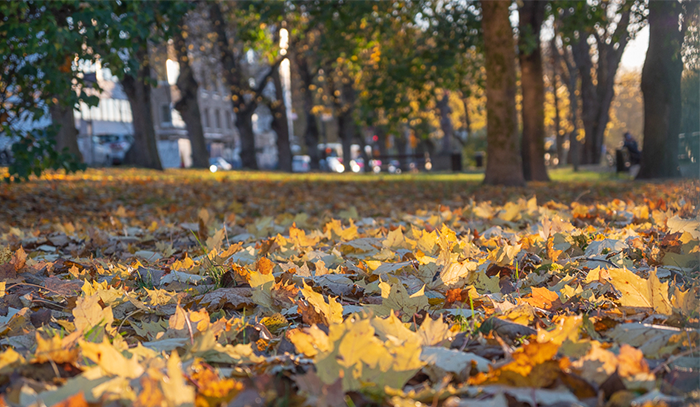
(124, 173)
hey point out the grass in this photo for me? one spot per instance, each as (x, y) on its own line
(566, 174)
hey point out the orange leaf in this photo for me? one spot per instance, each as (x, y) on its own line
(264, 265)
(542, 298)
(77, 400)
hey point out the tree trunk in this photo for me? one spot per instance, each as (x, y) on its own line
(344, 105)
(467, 118)
(67, 135)
(560, 137)
(280, 125)
(597, 95)
(363, 149)
(188, 105)
(443, 106)
(311, 135)
(380, 132)
(661, 87)
(243, 104)
(503, 165)
(401, 142)
(532, 85)
(570, 78)
(244, 124)
(144, 151)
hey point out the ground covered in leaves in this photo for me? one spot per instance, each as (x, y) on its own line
(185, 288)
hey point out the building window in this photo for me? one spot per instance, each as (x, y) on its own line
(229, 124)
(165, 117)
(217, 117)
(206, 118)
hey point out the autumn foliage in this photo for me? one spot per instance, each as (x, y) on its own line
(144, 288)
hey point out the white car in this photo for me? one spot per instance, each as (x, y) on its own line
(301, 163)
(110, 149)
(219, 163)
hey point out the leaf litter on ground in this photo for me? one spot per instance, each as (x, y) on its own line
(132, 287)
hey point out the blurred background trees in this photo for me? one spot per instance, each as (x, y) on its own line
(410, 85)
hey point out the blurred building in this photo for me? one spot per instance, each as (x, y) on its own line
(113, 116)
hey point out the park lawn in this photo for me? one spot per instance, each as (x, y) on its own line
(390, 289)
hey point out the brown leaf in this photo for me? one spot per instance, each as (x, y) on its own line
(233, 298)
(309, 315)
(319, 393)
(19, 259)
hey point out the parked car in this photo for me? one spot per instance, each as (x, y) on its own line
(218, 163)
(333, 164)
(301, 163)
(110, 149)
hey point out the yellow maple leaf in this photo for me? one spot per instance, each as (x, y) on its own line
(686, 302)
(433, 331)
(298, 236)
(395, 239)
(395, 297)
(56, 349)
(360, 359)
(175, 388)
(332, 310)
(214, 242)
(160, 296)
(504, 254)
(335, 231)
(542, 297)
(10, 358)
(566, 328)
(111, 360)
(309, 341)
(392, 326)
(261, 285)
(636, 291)
(184, 264)
(88, 314)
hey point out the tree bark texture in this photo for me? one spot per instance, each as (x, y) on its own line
(280, 124)
(67, 135)
(344, 103)
(570, 78)
(503, 165)
(532, 85)
(244, 103)
(467, 118)
(144, 151)
(560, 137)
(661, 88)
(188, 105)
(311, 135)
(597, 93)
(445, 110)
